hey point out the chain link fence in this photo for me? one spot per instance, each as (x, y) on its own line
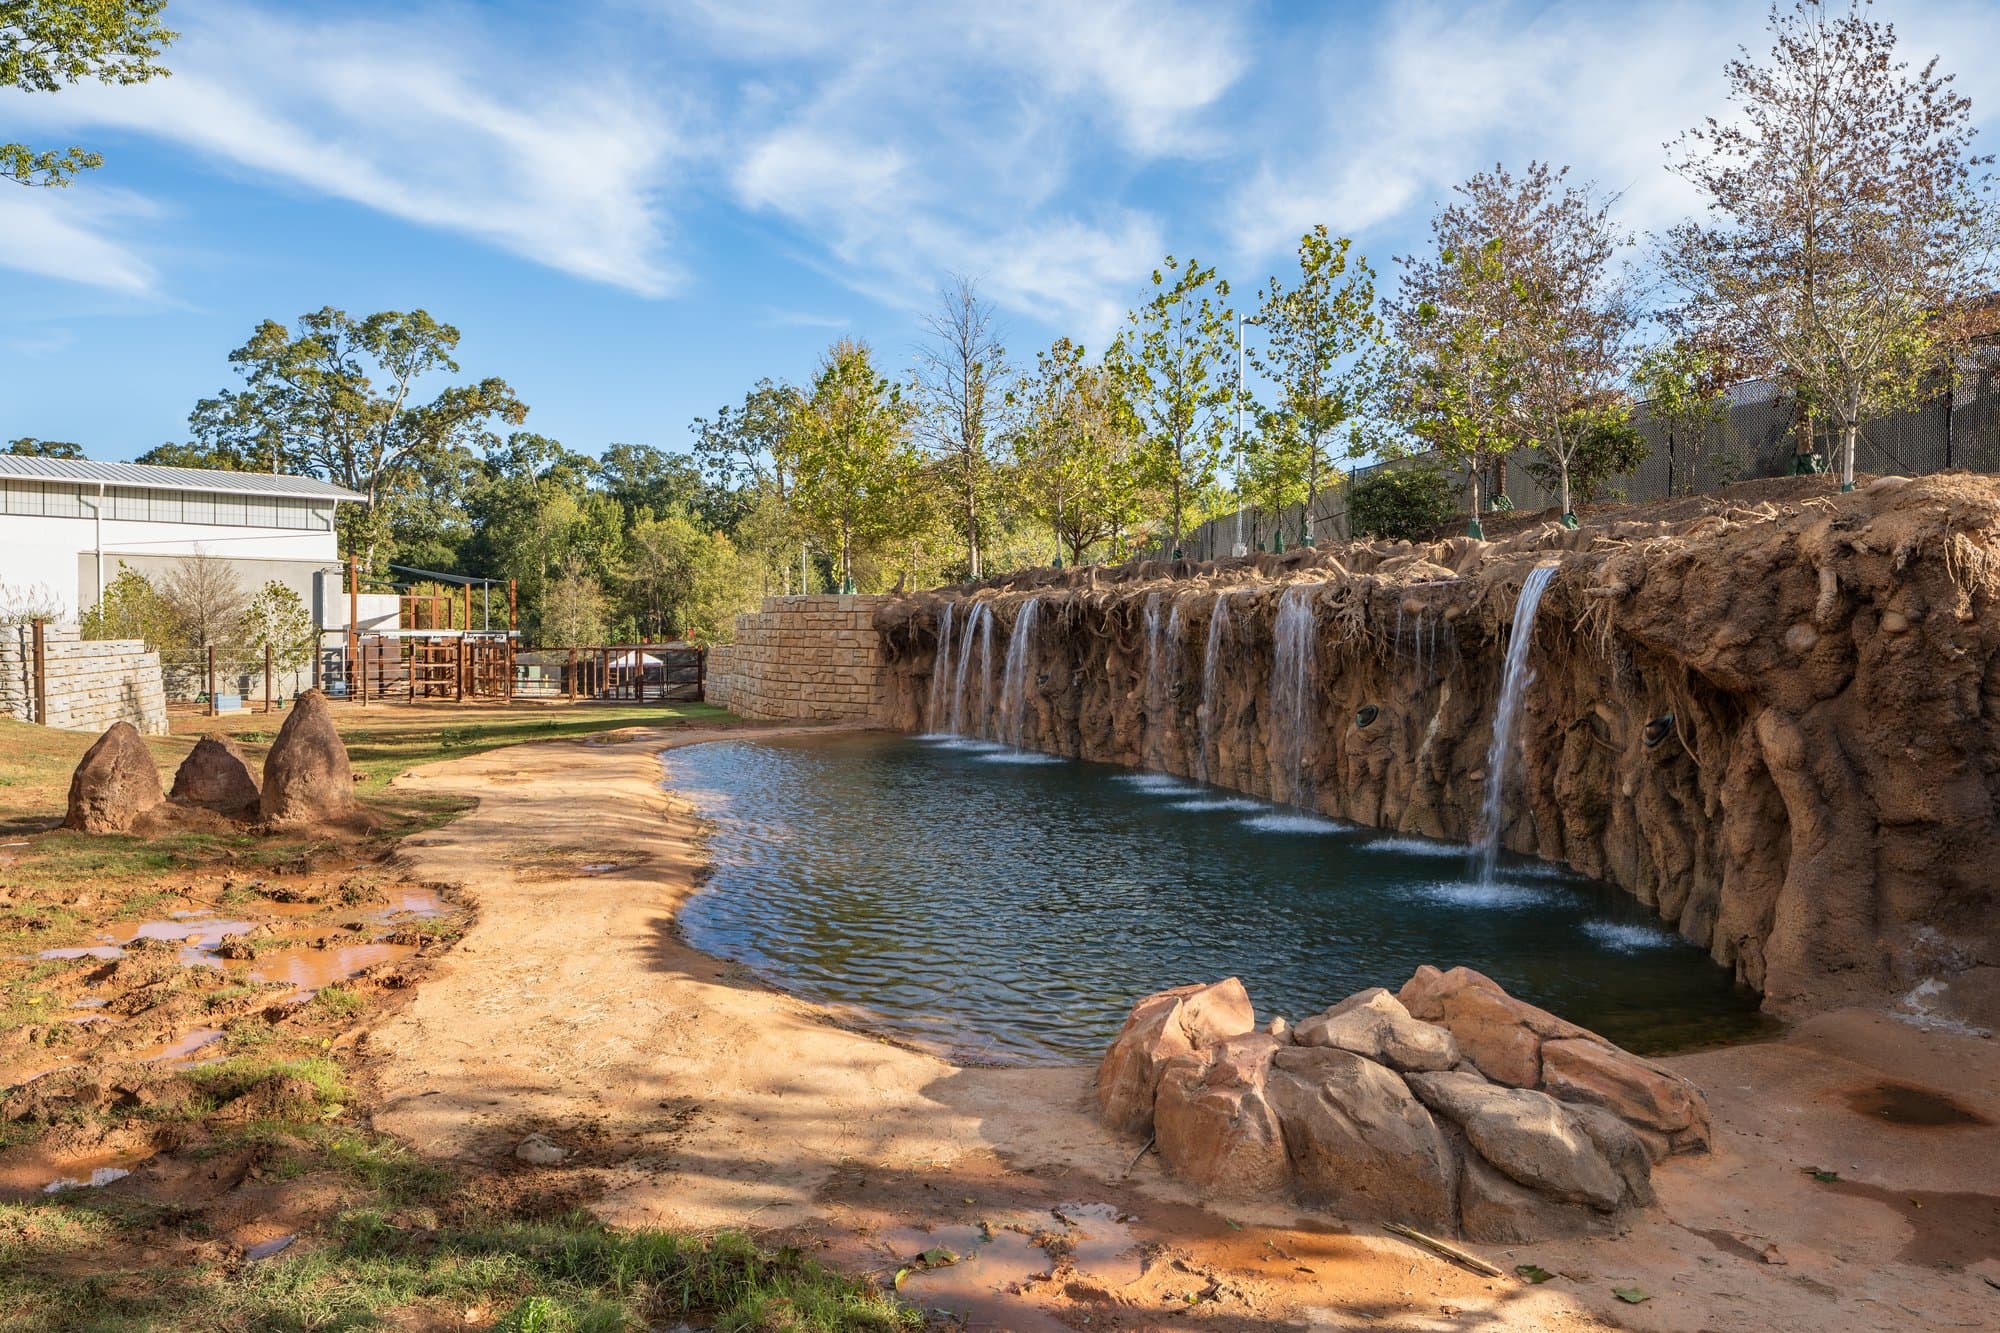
(196, 678)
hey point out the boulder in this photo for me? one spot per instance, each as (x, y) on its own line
(114, 784)
(1499, 1034)
(1594, 1073)
(1215, 1123)
(1497, 1210)
(216, 776)
(1624, 1147)
(1169, 1023)
(306, 775)
(1529, 1136)
(1374, 1023)
(1359, 1142)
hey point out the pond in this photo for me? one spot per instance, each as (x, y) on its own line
(1009, 907)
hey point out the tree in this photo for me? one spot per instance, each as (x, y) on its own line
(961, 385)
(205, 603)
(686, 579)
(1602, 443)
(740, 449)
(1568, 311)
(1172, 362)
(847, 449)
(1401, 504)
(573, 610)
(130, 607)
(1320, 336)
(1681, 382)
(1849, 223)
(1072, 450)
(311, 404)
(1456, 372)
(277, 619)
(45, 44)
(30, 447)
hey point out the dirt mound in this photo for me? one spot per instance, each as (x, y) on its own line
(306, 775)
(1773, 717)
(115, 783)
(216, 776)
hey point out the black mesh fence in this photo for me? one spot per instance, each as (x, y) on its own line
(1758, 431)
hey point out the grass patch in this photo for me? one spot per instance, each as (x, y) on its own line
(338, 1001)
(231, 1078)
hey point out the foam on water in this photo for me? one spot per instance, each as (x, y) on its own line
(1625, 936)
(1019, 757)
(1413, 847)
(1294, 822)
(1461, 893)
(1236, 803)
(1156, 782)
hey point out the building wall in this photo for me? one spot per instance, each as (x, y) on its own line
(58, 554)
(91, 682)
(816, 658)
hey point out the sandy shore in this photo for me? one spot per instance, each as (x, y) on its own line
(692, 1096)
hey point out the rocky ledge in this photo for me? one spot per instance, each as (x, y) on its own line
(1449, 1105)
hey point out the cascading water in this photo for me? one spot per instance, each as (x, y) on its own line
(984, 722)
(1014, 676)
(1211, 665)
(967, 641)
(1294, 694)
(941, 694)
(1513, 684)
(1156, 681)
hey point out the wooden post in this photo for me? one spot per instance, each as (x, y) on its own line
(353, 628)
(570, 680)
(40, 632)
(267, 677)
(212, 709)
(510, 668)
(513, 608)
(468, 604)
(362, 675)
(459, 675)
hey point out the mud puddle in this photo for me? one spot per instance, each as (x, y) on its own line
(1912, 1107)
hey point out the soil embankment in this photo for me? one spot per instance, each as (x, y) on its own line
(1772, 716)
(687, 1095)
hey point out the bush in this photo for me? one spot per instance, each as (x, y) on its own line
(1406, 504)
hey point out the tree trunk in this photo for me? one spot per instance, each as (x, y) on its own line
(971, 520)
(1850, 431)
(1562, 471)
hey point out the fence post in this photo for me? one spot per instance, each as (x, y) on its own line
(570, 679)
(267, 677)
(458, 675)
(39, 631)
(212, 709)
(510, 668)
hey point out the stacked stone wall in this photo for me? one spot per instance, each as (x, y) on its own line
(810, 658)
(91, 682)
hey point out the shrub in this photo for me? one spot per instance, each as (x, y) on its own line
(1406, 504)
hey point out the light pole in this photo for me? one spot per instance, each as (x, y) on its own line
(1240, 549)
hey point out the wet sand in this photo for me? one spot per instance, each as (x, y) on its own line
(693, 1096)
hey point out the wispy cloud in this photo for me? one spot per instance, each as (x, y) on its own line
(73, 234)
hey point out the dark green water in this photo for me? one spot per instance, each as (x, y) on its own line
(1012, 907)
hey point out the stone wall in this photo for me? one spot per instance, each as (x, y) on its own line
(92, 682)
(816, 658)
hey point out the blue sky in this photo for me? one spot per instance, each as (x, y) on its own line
(635, 208)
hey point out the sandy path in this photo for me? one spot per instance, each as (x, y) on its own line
(693, 1097)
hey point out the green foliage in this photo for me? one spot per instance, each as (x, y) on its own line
(573, 611)
(1604, 444)
(277, 619)
(1401, 504)
(687, 580)
(1683, 385)
(30, 447)
(131, 608)
(1071, 452)
(47, 44)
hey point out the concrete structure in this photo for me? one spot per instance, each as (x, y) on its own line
(816, 658)
(91, 682)
(67, 525)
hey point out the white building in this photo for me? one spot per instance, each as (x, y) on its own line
(67, 525)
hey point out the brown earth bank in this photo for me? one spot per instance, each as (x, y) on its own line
(1854, 1181)
(1772, 714)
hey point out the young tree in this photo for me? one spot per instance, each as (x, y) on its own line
(1849, 223)
(1602, 443)
(740, 449)
(130, 608)
(45, 44)
(961, 386)
(205, 603)
(311, 404)
(1173, 363)
(1455, 371)
(1319, 345)
(277, 618)
(572, 611)
(1569, 311)
(1072, 451)
(847, 448)
(1682, 385)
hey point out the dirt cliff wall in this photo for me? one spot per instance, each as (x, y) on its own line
(1777, 722)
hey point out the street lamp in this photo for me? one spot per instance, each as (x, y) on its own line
(1240, 549)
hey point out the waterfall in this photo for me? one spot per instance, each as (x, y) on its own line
(1014, 676)
(984, 723)
(1211, 665)
(1513, 684)
(964, 672)
(934, 714)
(1162, 667)
(1294, 693)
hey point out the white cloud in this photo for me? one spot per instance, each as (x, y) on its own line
(416, 121)
(72, 234)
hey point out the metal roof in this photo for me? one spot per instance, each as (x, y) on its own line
(148, 477)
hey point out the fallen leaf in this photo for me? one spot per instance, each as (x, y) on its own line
(902, 1276)
(1533, 1273)
(1630, 1295)
(938, 1257)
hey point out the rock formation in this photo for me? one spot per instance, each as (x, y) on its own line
(306, 775)
(1773, 720)
(1369, 1111)
(216, 776)
(115, 783)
